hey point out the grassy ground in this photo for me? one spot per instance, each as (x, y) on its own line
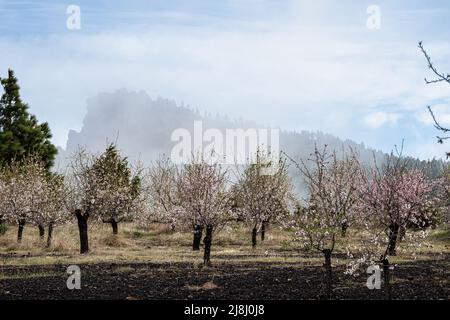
(160, 245)
(165, 254)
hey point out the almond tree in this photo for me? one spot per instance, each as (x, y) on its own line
(101, 187)
(444, 192)
(20, 195)
(2, 195)
(51, 210)
(203, 199)
(162, 193)
(260, 197)
(83, 193)
(332, 185)
(32, 194)
(394, 199)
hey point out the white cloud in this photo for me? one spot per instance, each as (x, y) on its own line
(304, 76)
(377, 119)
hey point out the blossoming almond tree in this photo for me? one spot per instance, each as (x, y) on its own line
(101, 187)
(203, 199)
(260, 197)
(332, 184)
(45, 197)
(394, 198)
(2, 195)
(162, 193)
(54, 211)
(83, 192)
(16, 197)
(32, 194)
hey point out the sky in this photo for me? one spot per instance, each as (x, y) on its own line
(293, 64)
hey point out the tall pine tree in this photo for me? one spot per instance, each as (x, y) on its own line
(20, 133)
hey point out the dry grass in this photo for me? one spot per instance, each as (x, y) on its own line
(159, 244)
(209, 285)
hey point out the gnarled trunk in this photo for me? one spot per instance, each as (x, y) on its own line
(50, 234)
(198, 230)
(254, 232)
(328, 270)
(41, 232)
(20, 230)
(114, 226)
(83, 230)
(207, 241)
(393, 235)
(263, 231)
(387, 278)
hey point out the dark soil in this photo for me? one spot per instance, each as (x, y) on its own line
(420, 280)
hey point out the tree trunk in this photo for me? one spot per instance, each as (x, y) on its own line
(263, 231)
(387, 278)
(83, 230)
(198, 230)
(393, 234)
(2, 229)
(254, 231)
(20, 230)
(328, 270)
(41, 232)
(207, 250)
(401, 234)
(344, 227)
(50, 234)
(115, 226)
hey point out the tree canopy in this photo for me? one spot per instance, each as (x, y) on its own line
(20, 133)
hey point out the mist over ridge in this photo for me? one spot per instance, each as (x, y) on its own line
(142, 126)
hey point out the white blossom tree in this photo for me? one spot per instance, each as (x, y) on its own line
(33, 195)
(203, 199)
(83, 193)
(259, 197)
(46, 200)
(103, 188)
(162, 193)
(2, 195)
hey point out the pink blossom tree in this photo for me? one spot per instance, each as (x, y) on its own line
(394, 198)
